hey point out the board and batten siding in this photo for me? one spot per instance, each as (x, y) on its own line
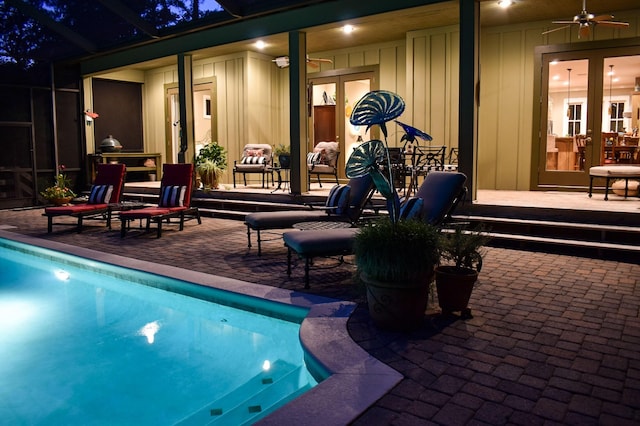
(433, 58)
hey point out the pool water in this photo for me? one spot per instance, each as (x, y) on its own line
(92, 344)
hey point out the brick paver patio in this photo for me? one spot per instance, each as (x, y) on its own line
(554, 339)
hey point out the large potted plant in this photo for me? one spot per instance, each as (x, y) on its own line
(461, 255)
(211, 162)
(395, 259)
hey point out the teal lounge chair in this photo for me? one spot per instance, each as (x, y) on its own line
(440, 194)
(344, 203)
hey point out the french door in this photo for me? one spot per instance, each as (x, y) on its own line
(332, 99)
(586, 95)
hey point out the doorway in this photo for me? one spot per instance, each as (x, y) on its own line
(586, 112)
(333, 95)
(204, 119)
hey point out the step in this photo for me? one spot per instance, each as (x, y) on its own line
(559, 230)
(256, 395)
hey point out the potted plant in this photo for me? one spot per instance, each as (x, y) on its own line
(396, 261)
(60, 193)
(461, 250)
(284, 155)
(211, 162)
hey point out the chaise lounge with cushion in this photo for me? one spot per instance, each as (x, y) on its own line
(174, 201)
(105, 192)
(434, 202)
(344, 203)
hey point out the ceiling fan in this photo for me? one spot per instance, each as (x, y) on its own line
(283, 61)
(587, 20)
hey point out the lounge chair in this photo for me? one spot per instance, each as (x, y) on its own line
(337, 208)
(440, 194)
(105, 192)
(256, 158)
(174, 202)
(324, 161)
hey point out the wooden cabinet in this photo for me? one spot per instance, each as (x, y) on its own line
(324, 123)
(635, 111)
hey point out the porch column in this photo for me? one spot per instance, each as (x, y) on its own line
(469, 86)
(185, 96)
(298, 121)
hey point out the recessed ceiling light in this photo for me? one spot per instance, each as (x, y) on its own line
(348, 29)
(260, 44)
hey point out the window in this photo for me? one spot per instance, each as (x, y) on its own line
(574, 121)
(616, 117)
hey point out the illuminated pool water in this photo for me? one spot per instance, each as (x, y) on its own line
(86, 343)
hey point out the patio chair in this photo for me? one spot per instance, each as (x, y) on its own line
(344, 203)
(256, 158)
(174, 202)
(424, 160)
(105, 192)
(440, 194)
(324, 161)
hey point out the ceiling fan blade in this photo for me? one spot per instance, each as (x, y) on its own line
(583, 31)
(556, 29)
(602, 18)
(612, 23)
(565, 22)
(329, 61)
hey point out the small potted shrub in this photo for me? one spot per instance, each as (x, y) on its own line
(211, 162)
(283, 153)
(461, 253)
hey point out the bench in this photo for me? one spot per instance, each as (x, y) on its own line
(613, 172)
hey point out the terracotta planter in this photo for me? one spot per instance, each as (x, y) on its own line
(209, 180)
(397, 306)
(61, 201)
(454, 286)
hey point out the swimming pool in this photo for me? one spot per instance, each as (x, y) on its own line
(354, 379)
(80, 344)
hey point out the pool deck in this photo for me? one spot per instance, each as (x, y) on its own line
(554, 339)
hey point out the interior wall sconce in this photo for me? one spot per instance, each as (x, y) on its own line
(505, 3)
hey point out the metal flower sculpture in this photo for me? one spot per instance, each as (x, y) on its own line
(377, 107)
(372, 157)
(410, 135)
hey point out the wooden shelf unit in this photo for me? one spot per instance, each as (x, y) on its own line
(128, 158)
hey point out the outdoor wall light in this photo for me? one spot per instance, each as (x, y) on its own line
(282, 61)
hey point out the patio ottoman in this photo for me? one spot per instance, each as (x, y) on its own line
(613, 172)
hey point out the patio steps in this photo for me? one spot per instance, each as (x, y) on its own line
(620, 242)
(598, 234)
